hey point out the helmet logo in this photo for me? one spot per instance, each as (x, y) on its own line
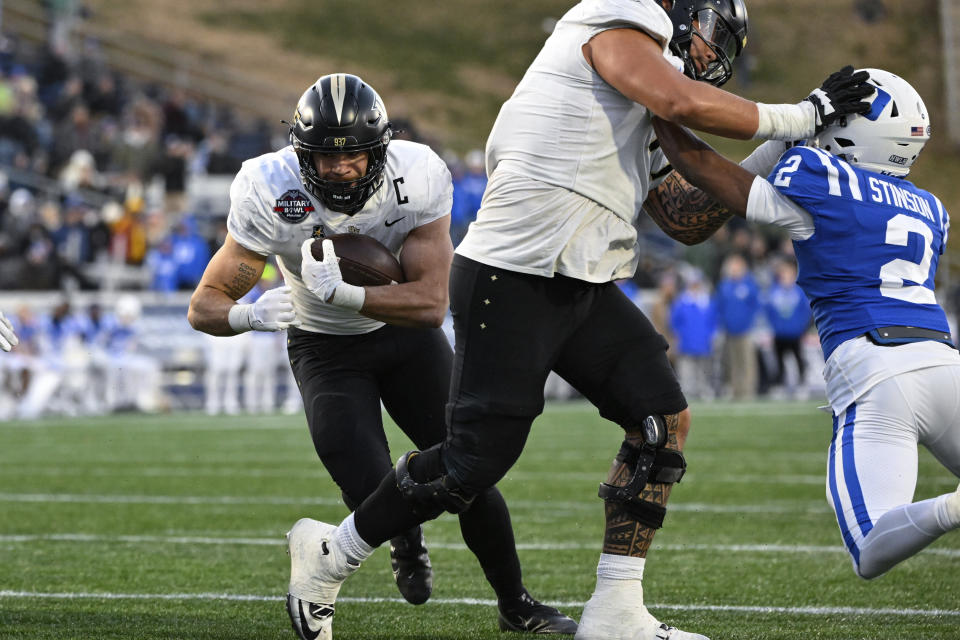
(339, 142)
(338, 90)
(879, 102)
(895, 159)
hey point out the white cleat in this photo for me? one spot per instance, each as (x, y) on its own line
(317, 569)
(616, 611)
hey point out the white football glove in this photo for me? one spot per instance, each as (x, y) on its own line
(272, 311)
(8, 339)
(324, 280)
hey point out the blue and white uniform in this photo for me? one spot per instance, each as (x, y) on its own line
(867, 247)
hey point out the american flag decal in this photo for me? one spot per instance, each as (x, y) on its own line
(916, 131)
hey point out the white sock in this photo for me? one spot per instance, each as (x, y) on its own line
(948, 510)
(350, 541)
(613, 567)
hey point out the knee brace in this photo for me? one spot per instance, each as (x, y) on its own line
(434, 496)
(650, 463)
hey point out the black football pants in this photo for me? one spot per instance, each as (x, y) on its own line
(511, 330)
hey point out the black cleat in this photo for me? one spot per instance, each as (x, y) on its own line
(526, 615)
(411, 566)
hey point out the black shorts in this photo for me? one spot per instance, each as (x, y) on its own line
(343, 380)
(512, 329)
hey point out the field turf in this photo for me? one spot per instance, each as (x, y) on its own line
(163, 527)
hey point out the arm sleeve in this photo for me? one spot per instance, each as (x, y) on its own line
(767, 205)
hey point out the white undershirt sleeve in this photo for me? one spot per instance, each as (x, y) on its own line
(767, 205)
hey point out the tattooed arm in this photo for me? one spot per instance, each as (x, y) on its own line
(684, 212)
(231, 273)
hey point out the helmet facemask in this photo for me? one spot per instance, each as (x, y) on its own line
(721, 25)
(341, 114)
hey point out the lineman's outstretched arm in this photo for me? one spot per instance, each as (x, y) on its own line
(229, 275)
(632, 62)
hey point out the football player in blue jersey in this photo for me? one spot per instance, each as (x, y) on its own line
(867, 242)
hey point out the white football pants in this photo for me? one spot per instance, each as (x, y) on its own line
(872, 466)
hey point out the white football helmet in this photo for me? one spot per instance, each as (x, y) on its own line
(889, 137)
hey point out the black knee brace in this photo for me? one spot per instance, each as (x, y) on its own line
(650, 463)
(431, 498)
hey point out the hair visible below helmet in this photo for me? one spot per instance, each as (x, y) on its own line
(721, 24)
(340, 113)
(890, 136)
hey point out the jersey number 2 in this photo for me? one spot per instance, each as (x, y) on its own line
(894, 273)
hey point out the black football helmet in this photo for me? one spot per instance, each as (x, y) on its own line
(340, 113)
(721, 24)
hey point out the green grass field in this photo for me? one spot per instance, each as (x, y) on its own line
(172, 527)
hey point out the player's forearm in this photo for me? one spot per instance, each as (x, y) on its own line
(727, 183)
(210, 310)
(412, 304)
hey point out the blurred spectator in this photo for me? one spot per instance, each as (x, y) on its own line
(162, 264)
(693, 320)
(660, 311)
(133, 377)
(265, 355)
(737, 301)
(468, 190)
(788, 313)
(224, 360)
(191, 253)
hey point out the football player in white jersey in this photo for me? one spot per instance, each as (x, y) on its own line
(867, 243)
(352, 347)
(572, 160)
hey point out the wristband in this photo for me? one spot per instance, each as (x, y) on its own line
(349, 296)
(239, 317)
(786, 122)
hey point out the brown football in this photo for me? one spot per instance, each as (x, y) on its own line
(363, 260)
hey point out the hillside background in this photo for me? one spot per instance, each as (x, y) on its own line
(445, 66)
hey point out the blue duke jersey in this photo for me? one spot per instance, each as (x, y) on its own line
(867, 248)
(271, 213)
(873, 254)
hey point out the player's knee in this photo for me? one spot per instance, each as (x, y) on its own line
(424, 483)
(683, 426)
(649, 462)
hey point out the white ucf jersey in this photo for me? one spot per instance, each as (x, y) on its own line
(271, 213)
(570, 158)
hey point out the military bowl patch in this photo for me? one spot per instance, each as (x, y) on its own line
(293, 206)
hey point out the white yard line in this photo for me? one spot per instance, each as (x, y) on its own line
(783, 506)
(856, 611)
(453, 546)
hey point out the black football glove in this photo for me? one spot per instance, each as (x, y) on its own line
(841, 94)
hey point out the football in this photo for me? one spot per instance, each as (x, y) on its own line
(363, 260)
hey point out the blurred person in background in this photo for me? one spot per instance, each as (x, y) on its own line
(133, 380)
(789, 317)
(737, 302)
(352, 348)
(693, 321)
(867, 242)
(468, 190)
(264, 354)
